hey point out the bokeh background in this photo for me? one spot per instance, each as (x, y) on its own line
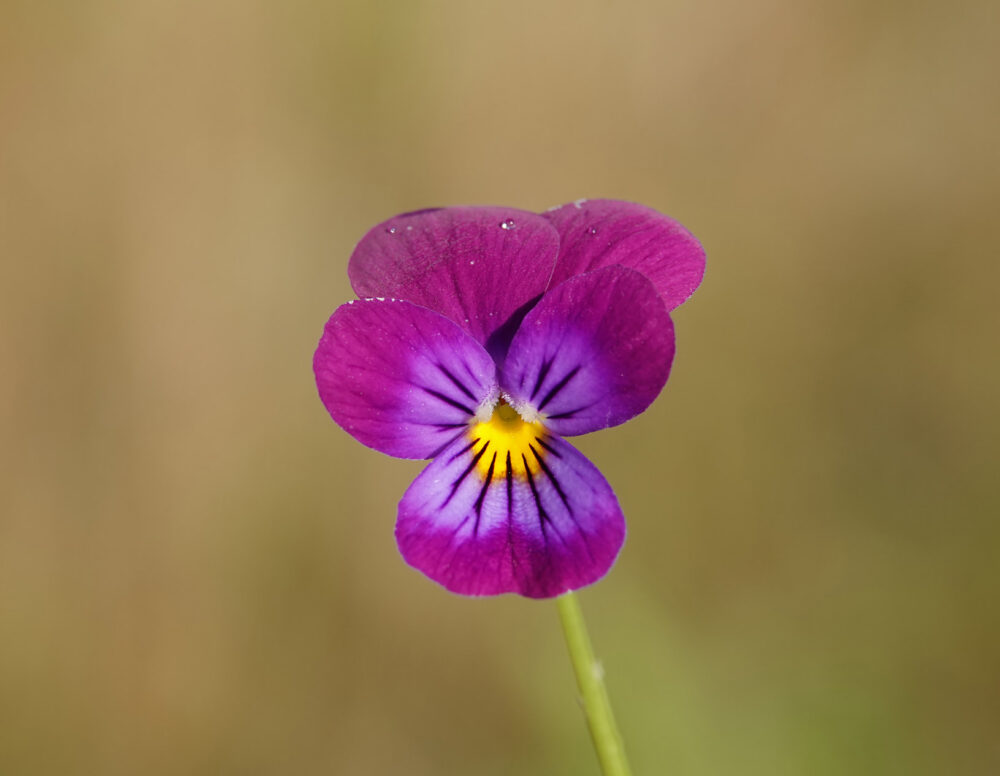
(197, 569)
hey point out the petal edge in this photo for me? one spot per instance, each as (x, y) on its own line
(477, 266)
(597, 233)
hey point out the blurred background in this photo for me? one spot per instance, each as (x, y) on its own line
(197, 567)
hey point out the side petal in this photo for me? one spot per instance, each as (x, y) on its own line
(480, 522)
(476, 265)
(593, 353)
(599, 232)
(399, 378)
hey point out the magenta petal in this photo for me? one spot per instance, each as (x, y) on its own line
(475, 265)
(593, 353)
(556, 527)
(599, 232)
(400, 378)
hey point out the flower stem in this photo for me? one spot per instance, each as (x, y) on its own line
(590, 680)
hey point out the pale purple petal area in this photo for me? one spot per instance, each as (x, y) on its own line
(399, 378)
(472, 524)
(600, 232)
(593, 353)
(476, 265)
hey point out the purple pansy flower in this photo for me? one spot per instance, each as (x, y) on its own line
(482, 337)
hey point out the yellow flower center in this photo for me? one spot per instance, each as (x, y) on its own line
(506, 439)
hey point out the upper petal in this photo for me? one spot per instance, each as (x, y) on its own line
(593, 353)
(597, 232)
(476, 265)
(483, 520)
(399, 378)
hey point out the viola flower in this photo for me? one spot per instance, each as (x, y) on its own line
(484, 336)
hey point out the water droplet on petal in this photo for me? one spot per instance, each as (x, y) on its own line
(391, 230)
(593, 230)
(508, 224)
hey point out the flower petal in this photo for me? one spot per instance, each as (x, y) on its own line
(598, 232)
(593, 353)
(480, 523)
(400, 378)
(475, 265)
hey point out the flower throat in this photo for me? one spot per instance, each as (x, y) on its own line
(507, 440)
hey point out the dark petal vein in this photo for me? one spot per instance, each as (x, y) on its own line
(543, 516)
(558, 387)
(482, 493)
(456, 382)
(464, 474)
(548, 447)
(565, 415)
(448, 400)
(552, 479)
(464, 450)
(542, 374)
(448, 443)
(510, 489)
(565, 501)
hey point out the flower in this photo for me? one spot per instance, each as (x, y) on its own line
(482, 337)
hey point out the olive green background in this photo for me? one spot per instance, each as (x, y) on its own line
(197, 568)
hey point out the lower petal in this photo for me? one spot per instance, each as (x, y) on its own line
(537, 520)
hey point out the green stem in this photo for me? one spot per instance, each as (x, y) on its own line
(590, 680)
